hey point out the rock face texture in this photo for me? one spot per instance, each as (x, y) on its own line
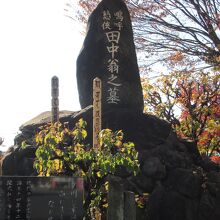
(180, 184)
(109, 53)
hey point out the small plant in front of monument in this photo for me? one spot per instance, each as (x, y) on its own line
(62, 151)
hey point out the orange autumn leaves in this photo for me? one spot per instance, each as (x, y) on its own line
(191, 103)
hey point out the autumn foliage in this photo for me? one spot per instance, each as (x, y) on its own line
(64, 151)
(166, 28)
(216, 159)
(190, 102)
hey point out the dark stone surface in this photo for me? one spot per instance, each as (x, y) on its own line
(153, 167)
(179, 195)
(41, 198)
(155, 202)
(44, 118)
(175, 159)
(175, 206)
(146, 131)
(142, 183)
(29, 128)
(209, 207)
(213, 183)
(19, 162)
(184, 181)
(172, 169)
(94, 59)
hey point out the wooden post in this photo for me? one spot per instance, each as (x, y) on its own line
(98, 215)
(115, 199)
(129, 206)
(55, 99)
(97, 111)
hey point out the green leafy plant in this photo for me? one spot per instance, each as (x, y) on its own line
(62, 151)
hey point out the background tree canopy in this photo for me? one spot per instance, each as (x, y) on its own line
(172, 30)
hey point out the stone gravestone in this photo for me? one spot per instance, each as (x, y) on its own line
(109, 53)
(41, 198)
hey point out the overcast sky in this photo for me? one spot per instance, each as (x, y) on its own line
(37, 41)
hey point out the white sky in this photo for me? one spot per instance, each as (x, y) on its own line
(37, 41)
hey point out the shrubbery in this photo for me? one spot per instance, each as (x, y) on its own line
(62, 151)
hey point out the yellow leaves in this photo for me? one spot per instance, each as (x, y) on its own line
(105, 132)
(51, 140)
(216, 79)
(106, 185)
(119, 135)
(57, 166)
(77, 148)
(80, 133)
(54, 167)
(72, 166)
(118, 138)
(58, 152)
(73, 155)
(105, 136)
(41, 174)
(81, 124)
(39, 138)
(84, 133)
(118, 143)
(80, 173)
(39, 167)
(105, 205)
(98, 174)
(123, 149)
(145, 94)
(213, 125)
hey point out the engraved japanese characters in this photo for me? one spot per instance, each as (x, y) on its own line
(113, 38)
(44, 198)
(109, 53)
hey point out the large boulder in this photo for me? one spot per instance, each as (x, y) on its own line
(19, 162)
(109, 53)
(178, 180)
(31, 127)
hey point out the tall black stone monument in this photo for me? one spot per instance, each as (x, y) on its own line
(109, 53)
